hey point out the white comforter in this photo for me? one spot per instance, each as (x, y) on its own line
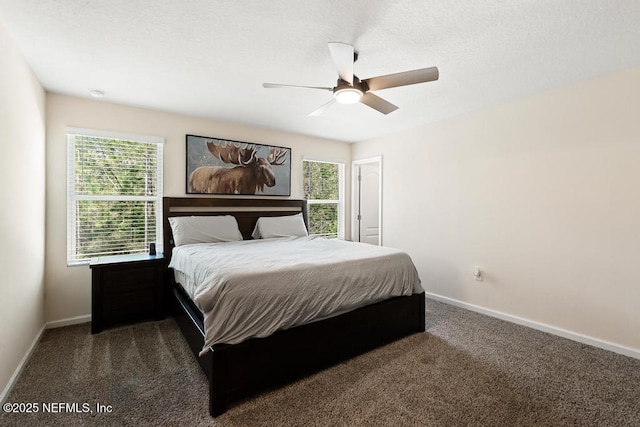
(254, 288)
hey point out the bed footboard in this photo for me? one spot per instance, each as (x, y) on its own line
(239, 370)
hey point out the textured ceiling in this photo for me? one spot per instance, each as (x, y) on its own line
(209, 58)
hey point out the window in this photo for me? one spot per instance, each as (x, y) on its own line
(324, 191)
(114, 194)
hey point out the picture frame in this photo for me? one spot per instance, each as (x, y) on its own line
(224, 166)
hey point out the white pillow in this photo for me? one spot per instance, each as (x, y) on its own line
(204, 229)
(280, 226)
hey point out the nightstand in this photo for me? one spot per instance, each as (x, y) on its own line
(125, 289)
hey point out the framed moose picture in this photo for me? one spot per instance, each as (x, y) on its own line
(222, 166)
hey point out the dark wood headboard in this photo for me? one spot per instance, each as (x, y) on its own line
(246, 212)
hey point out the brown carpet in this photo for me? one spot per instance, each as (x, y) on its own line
(466, 370)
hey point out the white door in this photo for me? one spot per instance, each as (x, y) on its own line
(369, 203)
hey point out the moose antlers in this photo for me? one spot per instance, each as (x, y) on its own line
(276, 156)
(229, 152)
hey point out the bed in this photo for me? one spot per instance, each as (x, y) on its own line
(242, 368)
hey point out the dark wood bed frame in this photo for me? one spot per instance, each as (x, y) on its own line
(239, 370)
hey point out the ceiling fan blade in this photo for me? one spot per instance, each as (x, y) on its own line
(342, 54)
(277, 85)
(377, 103)
(422, 75)
(322, 108)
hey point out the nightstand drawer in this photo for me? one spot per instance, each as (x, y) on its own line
(139, 300)
(127, 280)
(128, 307)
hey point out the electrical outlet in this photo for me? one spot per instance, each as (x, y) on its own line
(477, 274)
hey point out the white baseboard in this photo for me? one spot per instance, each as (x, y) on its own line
(21, 366)
(585, 339)
(68, 322)
(27, 356)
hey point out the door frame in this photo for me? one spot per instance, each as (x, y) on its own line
(355, 199)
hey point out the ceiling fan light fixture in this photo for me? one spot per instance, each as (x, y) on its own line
(348, 95)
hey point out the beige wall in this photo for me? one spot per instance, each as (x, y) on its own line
(542, 193)
(69, 288)
(22, 160)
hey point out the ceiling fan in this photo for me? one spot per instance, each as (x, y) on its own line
(350, 89)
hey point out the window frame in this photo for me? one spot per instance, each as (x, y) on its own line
(72, 197)
(341, 234)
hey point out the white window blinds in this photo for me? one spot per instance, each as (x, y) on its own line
(114, 194)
